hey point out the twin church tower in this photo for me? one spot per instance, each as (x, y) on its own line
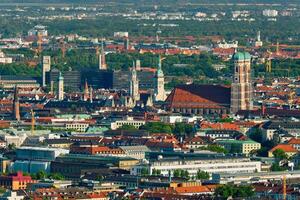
(241, 87)
(159, 88)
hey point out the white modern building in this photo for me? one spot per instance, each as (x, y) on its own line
(270, 13)
(209, 164)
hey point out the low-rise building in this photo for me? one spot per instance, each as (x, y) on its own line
(287, 148)
(127, 121)
(240, 146)
(16, 181)
(193, 162)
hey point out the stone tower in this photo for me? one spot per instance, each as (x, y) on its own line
(159, 91)
(46, 68)
(241, 88)
(60, 87)
(134, 85)
(16, 105)
(102, 62)
(258, 42)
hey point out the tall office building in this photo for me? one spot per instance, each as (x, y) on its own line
(159, 90)
(46, 68)
(241, 88)
(60, 87)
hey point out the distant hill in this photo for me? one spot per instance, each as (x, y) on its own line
(151, 1)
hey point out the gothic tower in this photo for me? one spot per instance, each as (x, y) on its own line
(159, 90)
(60, 87)
(86, 91)
(16, 105)
(241, 88)
(102, 62)
(134, 85)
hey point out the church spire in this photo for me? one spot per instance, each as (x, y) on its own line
(102, 61)
(134, 84)
(86, 91)
(60, 87)
(159, 90)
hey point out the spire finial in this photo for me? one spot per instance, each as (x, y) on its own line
(159, 62)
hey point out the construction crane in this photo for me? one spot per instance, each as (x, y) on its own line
(32, 122)
(284, 187)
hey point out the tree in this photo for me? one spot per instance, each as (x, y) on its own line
(56, 176)
(144, 172)
(185, 174)
(280, 154)
(276, 168)
(176, 173)
(157, 127)
(226, 191)
(127, 127)
(256, 135)
(202, 175)
(180, 173)
(183, 130)
(41, 175)
(214, 148)
(156, 172)
(12, 147)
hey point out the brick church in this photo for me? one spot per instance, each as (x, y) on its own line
(216, 99)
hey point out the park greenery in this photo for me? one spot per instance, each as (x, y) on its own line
(180, 173)
(43, 175)
(180, 130)
(198, 68)
(202, 175)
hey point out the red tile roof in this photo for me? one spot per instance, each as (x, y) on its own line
(199, 96)
(294, 141)
(284, 147)
(219, 126)
(192, 189)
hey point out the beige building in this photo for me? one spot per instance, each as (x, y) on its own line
(240, 146)
(127, 121)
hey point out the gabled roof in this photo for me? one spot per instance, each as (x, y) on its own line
(199, 96)
(294, 141)
(285, 147)
(192, 189)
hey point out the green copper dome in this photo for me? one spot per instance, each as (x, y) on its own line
(241, 56)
